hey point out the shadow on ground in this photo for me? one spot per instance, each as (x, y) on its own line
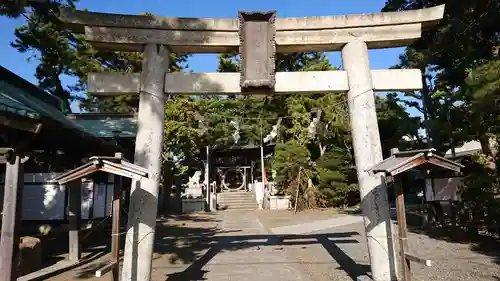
(188, 242)
(483, 243)
(55, 244)
(174, 237)
(220, 244)
(350, 211)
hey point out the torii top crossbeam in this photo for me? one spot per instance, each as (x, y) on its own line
(212, 35)
(258, 36)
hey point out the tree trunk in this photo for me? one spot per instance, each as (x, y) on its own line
(485, 145)
(322, 149)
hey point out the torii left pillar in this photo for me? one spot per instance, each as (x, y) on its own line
(139, 241)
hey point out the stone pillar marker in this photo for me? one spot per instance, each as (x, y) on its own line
(139, 240)
(367, 153)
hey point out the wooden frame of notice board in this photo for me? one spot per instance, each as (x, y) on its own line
(117, 166)
(60, 214)
(395, 166)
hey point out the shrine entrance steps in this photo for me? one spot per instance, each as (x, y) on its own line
(240, 200)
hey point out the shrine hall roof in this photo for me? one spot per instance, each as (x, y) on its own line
(107, 125)
(22, 103)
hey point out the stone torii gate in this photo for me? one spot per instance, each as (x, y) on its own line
(257, 36)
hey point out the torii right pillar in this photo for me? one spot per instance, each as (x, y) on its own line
(367, 153)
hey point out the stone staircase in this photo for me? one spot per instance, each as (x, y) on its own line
(240, 200)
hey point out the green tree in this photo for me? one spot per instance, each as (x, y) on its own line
(63, 53)
(16, 9)
(333, 129)
(337, 178)
(396, 127)
(44, 37)
(291, 158)
(462, 101)
(465, 39)
(483, 88)
(183, 141)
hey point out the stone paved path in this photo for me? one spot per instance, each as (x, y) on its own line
(235, 245)
(317, 225)
(246, 253)
(239, 245)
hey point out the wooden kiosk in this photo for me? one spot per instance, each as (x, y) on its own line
(394, 167)
(117, 166)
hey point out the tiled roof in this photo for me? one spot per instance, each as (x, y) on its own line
(18, 96)
(9, 104)
(26, 86)
(18, 101)
(108, 127)
(405, 160)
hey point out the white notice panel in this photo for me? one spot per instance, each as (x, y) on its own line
(447, 188)
(99, 201)
(429, 191)
(86, 199)
(43, 202)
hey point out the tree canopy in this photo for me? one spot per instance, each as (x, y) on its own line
(453, 57)
(459, 102)
(325, 155)
(60, 53)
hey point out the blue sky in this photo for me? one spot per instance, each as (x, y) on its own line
(379, 59)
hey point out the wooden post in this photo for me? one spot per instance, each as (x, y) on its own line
(74, 216)
(245, 178)
(11, 217)
(297, 193)
(178, 195)
(115, 232)
(251, 171)
(403, 231)
(262, 165)
(208, 194)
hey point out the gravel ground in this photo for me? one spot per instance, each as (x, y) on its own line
(345, 260)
